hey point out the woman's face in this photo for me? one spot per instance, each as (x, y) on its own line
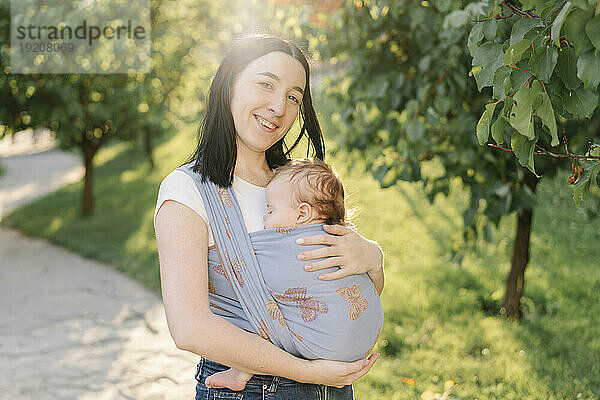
(265, 100)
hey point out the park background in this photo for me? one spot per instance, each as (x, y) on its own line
(400, 109)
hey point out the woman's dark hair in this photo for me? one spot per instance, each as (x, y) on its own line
(216, 153)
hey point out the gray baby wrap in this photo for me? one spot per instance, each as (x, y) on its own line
(257, 283)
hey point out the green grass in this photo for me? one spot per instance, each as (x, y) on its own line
(441, 320)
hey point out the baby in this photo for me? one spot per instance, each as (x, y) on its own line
(302, 192)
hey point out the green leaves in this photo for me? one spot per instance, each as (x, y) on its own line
(581, 102)
(523, 149)
(498, 129)
(523, 26)
(583, 184)
(415, 130)
(543, 61)
(544, 110)
(521, 115)
(515, 51)
(558, 22)
(575, 30)
(490, 57)
(566, 65)
(483, 126)
(592, 30)
(456, 19)
(588, 69)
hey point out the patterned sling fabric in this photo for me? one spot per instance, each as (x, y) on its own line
(256, 282)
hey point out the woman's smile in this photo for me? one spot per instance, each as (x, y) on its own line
(265, 100)
(266, 124)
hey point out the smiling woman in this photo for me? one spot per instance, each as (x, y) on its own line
(265, 103)
(258, 92)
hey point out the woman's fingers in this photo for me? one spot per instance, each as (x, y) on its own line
(317, 253)
(317, 239)
(329, 262)
(340, 273)
(366, 368)
(338, 230)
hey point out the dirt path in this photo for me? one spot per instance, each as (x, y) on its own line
(72, 328)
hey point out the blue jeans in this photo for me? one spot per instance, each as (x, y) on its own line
(266, 387)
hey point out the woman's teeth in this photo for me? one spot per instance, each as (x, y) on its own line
(266, 123)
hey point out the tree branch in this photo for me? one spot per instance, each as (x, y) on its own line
(518, 11)
(544, 152)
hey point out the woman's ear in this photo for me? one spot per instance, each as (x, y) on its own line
(305, 213)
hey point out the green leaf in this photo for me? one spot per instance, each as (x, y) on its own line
(543, 61)
(575, 30)
(490, 57)
(518, 78)
(523, 149)
(515, 51)
(521, 27)
(583, 4)
(558, 22)
(483, 126)
(581, 102)
(545, 111)
(489, 29)
(498, 129)
(456, 19)
(415, 130)
(475, 37)
(588, 69)
(581, 188)
(521, 115)
(499, 78)
(592, 30)
(566, 68)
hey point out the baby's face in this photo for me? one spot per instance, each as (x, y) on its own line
(280, 210)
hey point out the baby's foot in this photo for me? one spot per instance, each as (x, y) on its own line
(232, 378)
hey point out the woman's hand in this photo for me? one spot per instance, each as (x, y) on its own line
(339, 373)
(346, 249)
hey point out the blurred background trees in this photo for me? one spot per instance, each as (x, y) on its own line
(405, 100)
(402, 92)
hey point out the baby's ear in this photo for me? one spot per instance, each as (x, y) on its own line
(304, 213)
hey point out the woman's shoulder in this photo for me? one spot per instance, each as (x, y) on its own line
(180, 187)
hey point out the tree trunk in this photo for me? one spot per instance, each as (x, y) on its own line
(148, 146)
(520, 257)
(88, 195)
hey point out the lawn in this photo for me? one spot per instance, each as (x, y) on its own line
(441, 318)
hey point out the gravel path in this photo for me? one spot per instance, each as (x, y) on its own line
(72, 328)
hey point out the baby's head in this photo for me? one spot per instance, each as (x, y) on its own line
(304, 191)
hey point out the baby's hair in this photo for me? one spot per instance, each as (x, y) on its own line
(323, 188)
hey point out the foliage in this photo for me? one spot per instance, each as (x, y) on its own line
(439, 320)
(538, 75)
(404, 98)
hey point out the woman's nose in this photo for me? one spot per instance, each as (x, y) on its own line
(277, 105)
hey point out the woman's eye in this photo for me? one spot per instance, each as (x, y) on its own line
(294, 99)
(266, 84)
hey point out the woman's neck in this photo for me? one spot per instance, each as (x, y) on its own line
(253, 168)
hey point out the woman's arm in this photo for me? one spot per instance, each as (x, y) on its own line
(182, 239)
(353, 253)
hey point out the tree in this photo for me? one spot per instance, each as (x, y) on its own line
(406, 99)
(86, 111)
(562, 74)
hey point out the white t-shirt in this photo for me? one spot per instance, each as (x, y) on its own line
(180, 187)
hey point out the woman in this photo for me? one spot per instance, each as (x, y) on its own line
(259, 90)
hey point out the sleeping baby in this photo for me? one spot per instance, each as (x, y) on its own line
(339, 319)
